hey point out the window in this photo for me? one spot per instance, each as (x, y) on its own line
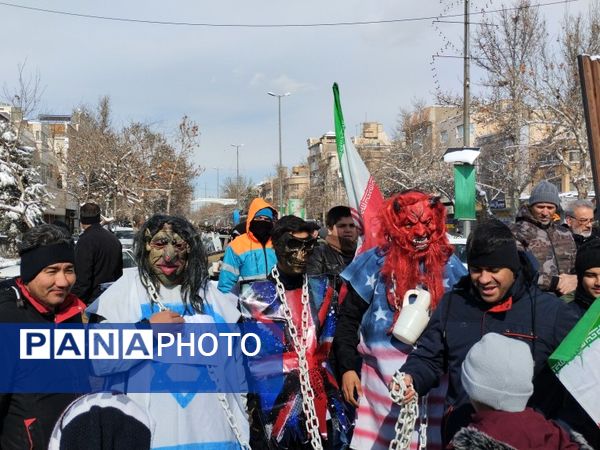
(444, 136)
(573, 156)
(459, 131)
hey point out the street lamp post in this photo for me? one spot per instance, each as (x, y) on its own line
(218, 186)
(237, 171)
(273, 94)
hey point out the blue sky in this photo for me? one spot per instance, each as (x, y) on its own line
(220, 76)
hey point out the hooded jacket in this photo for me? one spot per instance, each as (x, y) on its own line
(552, 245)
(246, 259)
(462, 318)
(526, 429)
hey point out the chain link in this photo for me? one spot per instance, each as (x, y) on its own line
(300, 345)
(405, 425)
(223, 401)
(152, 292)
(424, 423)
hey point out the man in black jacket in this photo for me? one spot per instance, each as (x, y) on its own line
(98, 257)
(40, 295)
(332, 257)
(497, 296)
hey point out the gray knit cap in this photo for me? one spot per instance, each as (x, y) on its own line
(544, 192)
(498, 372)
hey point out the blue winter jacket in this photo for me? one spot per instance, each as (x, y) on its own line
(541, 319)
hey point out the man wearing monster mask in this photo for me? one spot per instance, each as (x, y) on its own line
(171, 286)
(308, 411)
(415, 253)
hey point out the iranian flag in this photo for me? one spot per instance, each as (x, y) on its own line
(364, 196)
(576, 361)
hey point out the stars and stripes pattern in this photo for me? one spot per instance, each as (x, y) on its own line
(383, 355)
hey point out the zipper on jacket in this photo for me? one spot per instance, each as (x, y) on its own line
(509, 333)
(264, 247)
(27, 423)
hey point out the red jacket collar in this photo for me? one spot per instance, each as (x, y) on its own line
(63, 312)
(502, 306)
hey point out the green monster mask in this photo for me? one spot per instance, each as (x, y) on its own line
(167, 255)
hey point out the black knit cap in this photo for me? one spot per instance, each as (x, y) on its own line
(588, 256)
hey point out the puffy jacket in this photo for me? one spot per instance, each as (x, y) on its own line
(462, 318)
(27, 420)
(515, 430)
(552, 246)
(246, 259)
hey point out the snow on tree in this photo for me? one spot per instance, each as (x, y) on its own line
(23, 197)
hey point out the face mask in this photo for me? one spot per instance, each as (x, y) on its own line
(261, 229)
(167, 255)
(292, 253)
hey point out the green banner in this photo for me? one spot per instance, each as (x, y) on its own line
(464, 192)
(295, 207)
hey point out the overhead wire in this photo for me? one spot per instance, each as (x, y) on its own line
(247, 25)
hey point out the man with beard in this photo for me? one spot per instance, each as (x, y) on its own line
(415, 254)
(332, 257)
(498, 296)
(296, 416)
(580, 218)
(171, 287)
(250, 256)
(552, 246)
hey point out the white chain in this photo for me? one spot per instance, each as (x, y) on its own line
(424, 423)
(211, 373)
(300, 345)
(152, 292)
(408, 413)
(227, 410)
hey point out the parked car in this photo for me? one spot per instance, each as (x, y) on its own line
(460, 247)
(125, 236)
(12, 268)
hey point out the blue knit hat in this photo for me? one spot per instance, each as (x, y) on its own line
(544, 192)
(266, 212)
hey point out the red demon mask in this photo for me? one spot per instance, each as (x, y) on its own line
(414, 226)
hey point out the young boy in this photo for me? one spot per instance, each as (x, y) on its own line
(497, 375)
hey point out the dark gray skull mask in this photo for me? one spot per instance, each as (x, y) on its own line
(293, 253)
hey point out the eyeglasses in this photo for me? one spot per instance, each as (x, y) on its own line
(304, 244)
(583, 221)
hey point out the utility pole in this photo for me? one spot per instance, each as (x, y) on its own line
(467, 97)
(237, 171)
(280, 168)
(218, 186)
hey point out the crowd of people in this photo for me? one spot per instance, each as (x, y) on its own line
(477, 369)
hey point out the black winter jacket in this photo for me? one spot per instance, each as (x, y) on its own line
(325, 260)
(98, 260)
(462, 318)
(27, 420)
